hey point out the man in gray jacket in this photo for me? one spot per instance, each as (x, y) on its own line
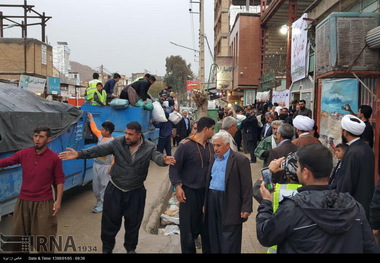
(125, 193)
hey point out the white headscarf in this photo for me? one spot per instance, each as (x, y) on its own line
(349, 124)
(303, 123)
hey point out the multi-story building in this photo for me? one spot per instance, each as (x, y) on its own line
(25, 56)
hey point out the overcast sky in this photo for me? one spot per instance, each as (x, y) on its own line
(126, 36)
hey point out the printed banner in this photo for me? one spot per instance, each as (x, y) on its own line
(224, 73)
(33, 84)
(282, 97)
(299, 49)
(192, 85)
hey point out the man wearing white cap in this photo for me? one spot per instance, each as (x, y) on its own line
(356, 175)
(303, 125)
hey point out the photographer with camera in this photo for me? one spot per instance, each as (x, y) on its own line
(317, 219)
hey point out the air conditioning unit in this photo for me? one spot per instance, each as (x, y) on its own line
(341, 43)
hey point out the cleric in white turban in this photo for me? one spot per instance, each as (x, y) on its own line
(303, 123)
(353, 124)
(358, 164)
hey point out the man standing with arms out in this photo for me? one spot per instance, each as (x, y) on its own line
(36, 209)
(91, 88)
(102, 165)
(364, 113)
(317, 219)
(125, 193)
(228, 196)
(188, 176)
(356, 175)
(303, 110)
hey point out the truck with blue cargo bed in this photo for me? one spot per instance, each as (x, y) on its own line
(21, 111)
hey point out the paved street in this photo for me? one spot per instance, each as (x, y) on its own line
(79, 225)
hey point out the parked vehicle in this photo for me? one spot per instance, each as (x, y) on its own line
(21, 111)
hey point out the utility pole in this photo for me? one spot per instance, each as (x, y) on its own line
(102, 72)
(202, 46)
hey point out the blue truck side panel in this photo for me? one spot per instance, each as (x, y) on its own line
(78, 172)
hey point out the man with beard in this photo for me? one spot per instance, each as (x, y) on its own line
(125, 193)
(356, 175)
(303, 125)
(364, 113)
(36, 209)
(302, 110)
(193, 157)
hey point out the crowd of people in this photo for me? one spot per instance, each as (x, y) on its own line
(315, 207)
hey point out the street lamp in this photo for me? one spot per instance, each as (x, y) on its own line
(171, 42)
(284, 29)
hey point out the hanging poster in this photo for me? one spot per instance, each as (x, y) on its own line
(282, 97)
(299, 49)
(192, 85)
(224, 73)
(249, 97)
(335, 94)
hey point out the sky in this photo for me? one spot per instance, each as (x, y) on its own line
(125, 36)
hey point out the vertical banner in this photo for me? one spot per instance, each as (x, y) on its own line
(299, 49)
(192, 85)
(33, 84)
(282, 97)
(249, 97)
(224, 73)
(335, 93)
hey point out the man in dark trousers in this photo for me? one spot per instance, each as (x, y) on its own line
(188, 176)
(356, 175)
(228, 196)
(125, 193)
(317, 219)
(251, 128)
(183, 127)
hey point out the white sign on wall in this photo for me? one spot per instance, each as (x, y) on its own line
(33, 84)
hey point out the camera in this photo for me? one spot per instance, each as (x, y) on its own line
(267, 177)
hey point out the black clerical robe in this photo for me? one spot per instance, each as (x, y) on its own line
(356, 174)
